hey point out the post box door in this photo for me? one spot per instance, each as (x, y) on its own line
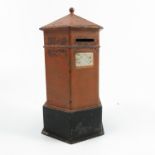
(84, 78)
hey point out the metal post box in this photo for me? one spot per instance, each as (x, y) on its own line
(73, 109)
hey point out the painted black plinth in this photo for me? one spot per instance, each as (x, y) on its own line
(73, 127)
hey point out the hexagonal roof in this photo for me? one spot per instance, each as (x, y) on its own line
(72, 21)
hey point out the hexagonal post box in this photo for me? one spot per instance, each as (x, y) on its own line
(73, 110)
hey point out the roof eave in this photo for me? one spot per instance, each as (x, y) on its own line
(78, 27)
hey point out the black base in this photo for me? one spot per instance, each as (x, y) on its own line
(72, 127)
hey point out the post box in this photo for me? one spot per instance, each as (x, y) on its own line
(73, 110)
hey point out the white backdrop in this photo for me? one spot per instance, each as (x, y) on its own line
(127, 76)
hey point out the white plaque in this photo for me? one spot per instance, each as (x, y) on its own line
(84, 59)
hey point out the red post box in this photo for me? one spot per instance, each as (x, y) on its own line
(73, 109)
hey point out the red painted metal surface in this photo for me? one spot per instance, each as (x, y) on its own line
(70, 87)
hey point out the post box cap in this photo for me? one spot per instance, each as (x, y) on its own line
(71, 21)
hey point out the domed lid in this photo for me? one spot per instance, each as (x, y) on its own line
(72, 21)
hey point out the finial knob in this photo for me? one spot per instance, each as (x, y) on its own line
(71, 10)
